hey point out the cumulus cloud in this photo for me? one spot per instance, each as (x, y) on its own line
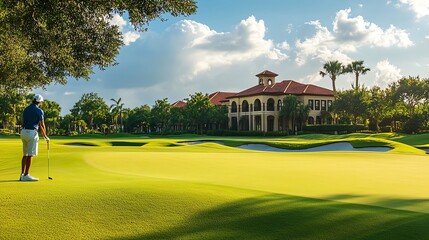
(386, 73)
(117, 20)
(347, 35)
(130, 37)
(419, 7)
(127, 36)
(208, 48)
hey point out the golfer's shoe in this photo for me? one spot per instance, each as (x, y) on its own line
(29, 178)
(20, 176)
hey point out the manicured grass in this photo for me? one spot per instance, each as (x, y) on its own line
(139, 188)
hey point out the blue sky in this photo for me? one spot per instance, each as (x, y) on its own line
(227, 42)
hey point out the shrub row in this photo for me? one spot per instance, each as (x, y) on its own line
(330, 129)
(336, 128)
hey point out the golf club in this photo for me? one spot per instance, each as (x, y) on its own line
(49, 160)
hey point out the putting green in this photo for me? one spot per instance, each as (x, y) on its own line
(162, 189)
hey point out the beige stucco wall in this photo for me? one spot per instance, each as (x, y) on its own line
(264, 114)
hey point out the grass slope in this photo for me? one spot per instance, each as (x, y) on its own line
(164, 189)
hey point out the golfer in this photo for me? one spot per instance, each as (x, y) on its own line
(32, 120)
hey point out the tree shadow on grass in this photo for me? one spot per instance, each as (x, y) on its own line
(288, 217)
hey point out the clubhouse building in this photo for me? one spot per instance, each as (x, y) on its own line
(258, 108)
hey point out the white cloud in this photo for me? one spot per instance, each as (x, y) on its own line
(284, 45)
(117, 20)
(347, 35)
(69, 93)
(427, 36)
(419, 7)
(361, 5)
(203, 48)
(311, 78)
(386, 73)
(130, 37)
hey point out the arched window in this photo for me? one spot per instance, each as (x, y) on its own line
(245, 106)
(270, 104)
(257, 105)
(233, 107)
(279, 105)
(310, 120)
(270, 81)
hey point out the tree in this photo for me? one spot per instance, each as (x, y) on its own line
(91, 109)
(116, 108)
(289, 110)
(160, 115)
(351, 103)
(139, 119)
(378, 107)
(411, 92)
(358, 69)
(197, 108)
(52, 112)
(333, 69)
(45, 42)
(302, 113)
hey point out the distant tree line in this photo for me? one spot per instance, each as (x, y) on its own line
(91, 114)
(403, 106)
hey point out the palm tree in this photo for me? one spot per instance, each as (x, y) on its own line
(357, 68)
(289, 110)
(116, 109)
(333, 69)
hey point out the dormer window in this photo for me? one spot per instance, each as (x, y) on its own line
(261, 81)
(270, 82)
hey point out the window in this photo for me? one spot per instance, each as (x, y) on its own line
(233, 107)
(270, 104)
(261, 82)
(310, 120)
(257, 105)
(279, 105)
(245, 106)
(270, 81)
(324, 105)
(329, 105)
(317, 105)
(311, 104)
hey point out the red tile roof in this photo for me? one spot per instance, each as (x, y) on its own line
(267, 73)
(283, 88)
(217, 97)
(179, 104)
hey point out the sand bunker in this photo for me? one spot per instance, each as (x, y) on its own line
(340, 146)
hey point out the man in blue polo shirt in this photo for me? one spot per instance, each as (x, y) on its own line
(32, 120)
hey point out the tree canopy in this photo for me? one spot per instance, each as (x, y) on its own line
(47, 41)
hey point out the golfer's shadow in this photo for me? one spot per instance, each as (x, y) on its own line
(8, 181)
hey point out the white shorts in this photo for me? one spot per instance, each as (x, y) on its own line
(30, 139)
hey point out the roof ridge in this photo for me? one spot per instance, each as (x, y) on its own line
(306, 88)
(273, 85)
(287, 86)
(263, 90)
(214, 95)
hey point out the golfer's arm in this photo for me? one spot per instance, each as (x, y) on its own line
(43, 129)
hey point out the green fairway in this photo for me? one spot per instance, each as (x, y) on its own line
(144, 188)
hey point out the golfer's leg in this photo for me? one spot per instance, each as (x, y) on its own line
(23, 163)
(28, 161)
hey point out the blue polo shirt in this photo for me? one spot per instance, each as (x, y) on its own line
(31, 116)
